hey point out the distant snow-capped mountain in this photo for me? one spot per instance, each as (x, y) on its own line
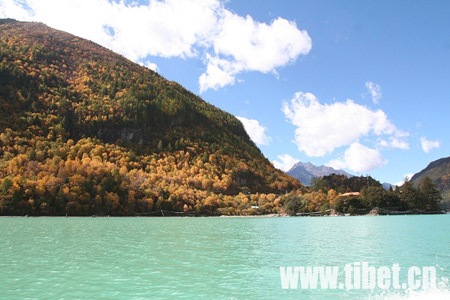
(304, 172)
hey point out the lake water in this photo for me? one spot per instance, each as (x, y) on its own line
(210, 258)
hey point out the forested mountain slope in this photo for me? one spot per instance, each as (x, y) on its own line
(439, 173)
(85, 131)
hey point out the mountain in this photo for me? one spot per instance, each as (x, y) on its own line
(387, 185)
(304, 172)
(439, 173)
(85, 131)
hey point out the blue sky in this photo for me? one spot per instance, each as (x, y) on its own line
(359, 85)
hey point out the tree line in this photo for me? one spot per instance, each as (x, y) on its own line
(328, 194)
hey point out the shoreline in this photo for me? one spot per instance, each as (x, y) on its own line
(235, 216)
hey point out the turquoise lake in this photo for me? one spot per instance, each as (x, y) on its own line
(210, 258)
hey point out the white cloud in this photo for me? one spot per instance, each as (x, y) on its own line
(286, 162)
(256, 131)
(228, 43)
(12, 9)
(161, 28)
(321, 128)
(243, 44)
(149, 65)
(428, 145)
(337, 164)
(395, 142)
(359, 158)
(374, 91)
(219, 73)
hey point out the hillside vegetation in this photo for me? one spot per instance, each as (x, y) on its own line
(439, 173)
(85, 131)
(340, 194)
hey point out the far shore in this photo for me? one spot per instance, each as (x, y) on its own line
(233, 216)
